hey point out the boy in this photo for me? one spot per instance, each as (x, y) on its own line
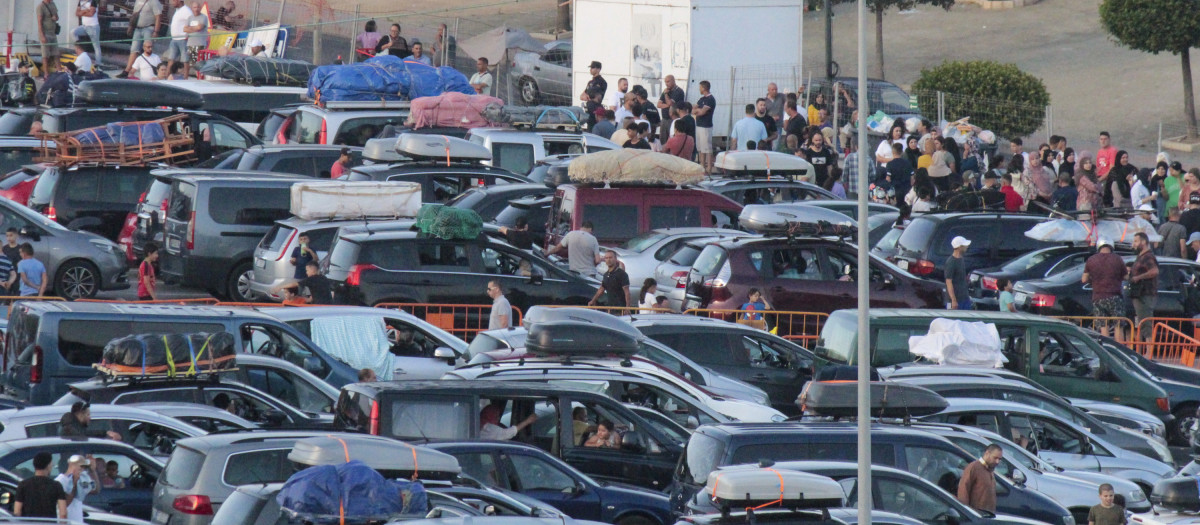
(1065, 196)
(318, 286)
(147, 280)
(1107, 512)
(32, 273)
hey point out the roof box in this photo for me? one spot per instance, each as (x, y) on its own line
(355, 200)
(840, 399)
(581, 339)
(634, 166)
(381, 151)
(1181, 494)
(788, 218)
(437, 147)
(791, 489)
(738, 163)
(544, 314)
(123, 92)
(382, 454)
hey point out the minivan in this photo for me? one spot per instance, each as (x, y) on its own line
(90, 198)
(519, 150)
(213, 224)
(50, 344)
(1030, 342)
(619, 213)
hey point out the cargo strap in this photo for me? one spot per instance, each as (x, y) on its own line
(200, 354)
(769, 503)
(447, 139)
(170, 358)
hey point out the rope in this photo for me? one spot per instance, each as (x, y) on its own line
(769, 503)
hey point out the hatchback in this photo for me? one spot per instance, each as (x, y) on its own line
(90, 198)
(642, 254)
(996, 237)
(1038, 264)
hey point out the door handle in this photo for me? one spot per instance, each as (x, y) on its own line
(537, 68)
(759, 377)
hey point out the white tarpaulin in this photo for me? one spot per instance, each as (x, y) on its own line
(951, 342)
(1066, 230)
(348, 200)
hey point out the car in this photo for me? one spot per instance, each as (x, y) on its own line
(1174, 508)
(17, 152)
(273, 256)
(489, 201)
(531, 471)
(17, 185)
(671, 274)
(213, 225)
(535, 210)
(642, 254)
(79, 264)
(208, 418)
(623, 212)
(310, 160)
(139, 470)
(542, 78)
(925, 244)
(1180, 382)
(94, 198)
(1065, 293)
(439, 182)
(341, 123)
(147, 431)
(1038, 264)
(767, 190)
(518, 150)
(245, 104)
(1059, 443)
(772, 363)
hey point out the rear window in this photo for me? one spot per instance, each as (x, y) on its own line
(247, 107)
(275, 239)
(709, 260)
(431, 419)
(916, 235)
(257, 467)
(357, 131)
(183, 468)
(15, 158)
(81, 342)
(838, 342)
(342, 256)
(685, 256)
(18, 176)
(16, 123)
(517, 158)
(158, 192)
(674, 217)
(115, 186)
(180, 207)
(43, 191)
(249, 206)
(306, 128)
(611, 222)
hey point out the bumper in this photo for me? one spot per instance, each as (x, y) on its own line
(263, 289)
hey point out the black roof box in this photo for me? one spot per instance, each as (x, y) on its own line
(840, 399)
(579, 339)
(1181, 494)
(139, 93)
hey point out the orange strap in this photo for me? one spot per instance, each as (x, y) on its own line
(776, 502)
(447, 139)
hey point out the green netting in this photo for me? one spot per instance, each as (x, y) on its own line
(449, 223)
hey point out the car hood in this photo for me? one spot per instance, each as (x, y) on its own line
(1006, 519)
(746, 411)
(1120, 485)
(730, 387)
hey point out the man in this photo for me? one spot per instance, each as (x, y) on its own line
(704, 125)
(224, 19)
(1106, 271)
(482, 79)
(1190, 218)
(257, 49)
(614, 285)
(367, 375)
(956, 275)
(445, 48)
(747, 130)
(501, 310)
(760, 113)
(78, 482)
(1143, 280)
(583, 252)
(341, 164)
(1016, 147)
(990, 194)
(850, 176)
(1106, 156)
(318, 286)
(75, 423)
(518, 235)
(32, 273)
(795, 121)
(417, 56)
(977, 488)
(83, 63)
(89, 26)
(604, 123)
(20, 91)
(143, 27)
(40, 496)
(899, 170)
(197, 30)
(672, 94)
(392, 43)
(1193, 247)
(615, 99)
(177, 47)
(224, 402)
(821, 157)
(626, 110)
(775, 103)
(1173, 235)
(489, 424)
(146, 65)
(302, 254)
(597, 86)
(12, 252)
(47, 18)
(648, 108)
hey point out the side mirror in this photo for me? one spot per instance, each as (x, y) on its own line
(536, 278)
(889, 282)
(847, 269)
(633, 442)
(273, 418)
(31, 233)
(1018, 478)
(1086, 446)
(446, 354)
(312, 365)
(953, 517)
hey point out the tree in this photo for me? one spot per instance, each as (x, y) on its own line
(999, 97)
(1155, 26)
(879, 7)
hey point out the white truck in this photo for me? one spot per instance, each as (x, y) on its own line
(738, 46)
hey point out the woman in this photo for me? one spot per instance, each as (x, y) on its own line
(920, 180)
(1068, 164)
(883, 153)
(1117, 186)
(649, 295)
(604, 436)
(1088, 185)
(950, 146)
(814, 109)
(940, 170)
(1191, 183)
(163, 72)
(833, 182)
(912, 150)
(369, 38)
(1027, 191)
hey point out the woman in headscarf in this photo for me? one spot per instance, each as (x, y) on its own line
(1068, 163)
(1117, 186)
(815, 107)
(1191, 183)
(1088, 184)
(912, 150)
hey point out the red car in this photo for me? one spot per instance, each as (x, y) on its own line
(18, 184)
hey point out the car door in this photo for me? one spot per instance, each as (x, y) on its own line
(1060, 444)
(527, 281)
(446, 274)
(1069, 366)
(636, 455)
(544, 480)
(287, 387)
(908, 498)
(249, 406)
(795, 279)
(413, 350)
(844, 283)
(775, 368)
(1172, 280)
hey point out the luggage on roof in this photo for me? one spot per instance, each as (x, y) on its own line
(1180, 494)
(124, 92)
(576, 338)
(737, 488)
(451, 110)
(440, 147)
(381, 454)
(796, 219)
(634, 166)
(840, 399)
(381, 151)
(351, 492)
(167, 140)
(763, 163)
(258, 71)
(168, 354)
(563, 118)
(383, 78)
(444, 222)
(351, 200)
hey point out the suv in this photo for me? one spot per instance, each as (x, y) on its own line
(213, 224)
(619, 213)
(449, 411)
(309, 160)
(518, 151)
(489, 201)
(806, 274)
(273, 255)
(996, 238)
(411, 267)
(147, 431)
(342, 123)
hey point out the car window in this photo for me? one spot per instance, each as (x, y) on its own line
(297, 165)
(271, 341)
(1017, 245)
(82, 342)
(249, 206)
(517, 158)
(938, 466)
(979, 232)
(984, 420)
(1026, 398)
(1012, 339)
(706, 348)
(909, 499)
(241, 404)
(891, 344)
(762, 354)
(1065, 355)
(183, 467)
(496, 262)
(1056, 437)
(674, 217)
(168, 395)
(289, 389)
(125, 468)
(443, 256)
(81, 186)
(562, 147)
(611, 221)
(482, 466)
(211, 424)
(357, 131)
(537, 474)
(660, 400)
(445, 419)
(223, 136)
(670, 362)
(796, 263)
(597, 412)
(258, 466)
(976, 449)
(180, 206)
(305, 128)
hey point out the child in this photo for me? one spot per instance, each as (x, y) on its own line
(924, 202)
(290, 298)
(147, 279)
(1107, 512)
(1065, 196)
(1006, 295)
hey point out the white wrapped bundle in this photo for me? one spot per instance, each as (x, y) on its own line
(634, 166)
(336, 199)
(952, 342)
(1066, 230)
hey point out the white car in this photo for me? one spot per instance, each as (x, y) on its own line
(544, 79)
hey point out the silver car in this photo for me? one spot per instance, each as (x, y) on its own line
(542, 79)
(642, 254)
(205, 417)
(150, 432)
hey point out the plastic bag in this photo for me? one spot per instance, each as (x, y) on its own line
(953, 342)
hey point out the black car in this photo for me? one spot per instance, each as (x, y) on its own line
(996, 237)
(370, 266)
(90, 198)
(1037, 264)
(489, 201)
(439, 182)
(312, 160)
(1065, 294)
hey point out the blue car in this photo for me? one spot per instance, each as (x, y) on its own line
(530, 471)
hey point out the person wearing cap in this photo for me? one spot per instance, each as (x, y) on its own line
(340, 165)
(1147, 213)
(20, 90)
(597, 85)
(1143, 279)
(482, 79)
(257, 49)
(1173, 235)
(956, 275)
(78, 482)
(1190, 218)
(75, 423)
(990, 194)
(1106, 271)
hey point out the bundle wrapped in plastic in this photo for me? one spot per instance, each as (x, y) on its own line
(170, 354)
(338, 199)
(634, 166)
(384, 77)
(445, 222)
(258, 71)
(451, 110)
(1067, 230)
(350, 492)
(880, 122)
(953, 342)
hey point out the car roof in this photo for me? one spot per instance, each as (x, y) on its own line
(248, 438)
(117, 308)
(197, 175)
(103, 383)
(19, 141)
(942, 216)
(126, 108)
(100, 410)
(946, 379)
(975, 404)
(828, 468)
(969, 315)
(288, 313)
(220, 86)
(459, 387)
(44, 442)
(752, 239)
(651, 320)
(268, 148)
(795, 428)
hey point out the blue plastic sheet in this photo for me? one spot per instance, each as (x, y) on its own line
(324, 494)
(385, 77)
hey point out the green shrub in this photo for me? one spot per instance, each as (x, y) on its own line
(998, 97)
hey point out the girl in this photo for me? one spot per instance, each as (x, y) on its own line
(648, 293)
(603, 438)
(147, 281)
(1088, 184)
(833, 182)
(1006, 295)
(1068, 164)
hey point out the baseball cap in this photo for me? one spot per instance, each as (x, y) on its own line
(1194, 198)
(256, 43)
(594, 64)
(1195, 236)
(1146, 207)
(82, 460)
(959, 242)
(1177, 166)
(1105, 242)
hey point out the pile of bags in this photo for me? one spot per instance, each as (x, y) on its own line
(258, 71)
(350, 492)
(127, 133)
(452, 110)
(634, 166)
(384, 78)
(170, 354)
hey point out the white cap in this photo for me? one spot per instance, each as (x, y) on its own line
(82, 460)
(959, 242)
(1146, 207)
(1103, 242)
(256, 43)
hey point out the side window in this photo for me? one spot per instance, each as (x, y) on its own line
(445, 256)
(986, 421)
(557, 147)
(1026, 398)
(259, 466)
(353, 411)
(288, 388)
(762, 355)
(24, 469)
(673, 364)
(565, 208)
(517, 158)
(210, 424)
(496, 262)
(1065, 355)
(1017, 245)
(297, 165)
(249, 206)
(1056, 437)
(1012, 340)
(536, 474)
(909, 500)
(707, 348)
(305, 128)
(797, 263)
(81, 342)
(174, 395)
(891, 344)
(621, 426)
(356, 132)
(482, 466)
(661, 401)
(938, 466)
(724, 218)
(321, 239)
(269, 340)
(976, 231)
(149, 437)
(223, 136)
(239, 403)
(674, 217)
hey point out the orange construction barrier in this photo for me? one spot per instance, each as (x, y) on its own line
(802, 327)
(615, 310)
(1125, 331)
(462, 320)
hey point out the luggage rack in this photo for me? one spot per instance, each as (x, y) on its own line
(363, 104)
(177, 146)
(113, 375)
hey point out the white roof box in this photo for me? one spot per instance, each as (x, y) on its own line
(761, 163)
(435, 147)
(784, 218)
(381, 454)
(354, 200)
(792, 489)
(381, 151)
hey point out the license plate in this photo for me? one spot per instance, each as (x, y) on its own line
(116, 24)
(902, 264)
(260, 263)
(1021, 298)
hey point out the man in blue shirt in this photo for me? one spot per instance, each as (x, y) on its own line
(301, 256)
(32, 272)
(704, 125)
(747, 130)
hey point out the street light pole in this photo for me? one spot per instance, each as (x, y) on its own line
(864, 279)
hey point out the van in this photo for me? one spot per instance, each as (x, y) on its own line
(50, 345)
(519, 151)
(1030, 342)
(214, 222)
(621, 212)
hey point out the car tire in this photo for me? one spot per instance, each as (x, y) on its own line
(238, 284)
(528, 93)
(1179, 431)
(635, 520)
(77, 280)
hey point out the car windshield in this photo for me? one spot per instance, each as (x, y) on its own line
(1029, 260)
(641, 242)
(838, 342)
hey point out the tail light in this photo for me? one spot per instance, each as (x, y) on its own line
(191, 232)
(1163, 404)
(35, 370)
(142, 198)
(989, 283)
(374, 428)
(193, 504)
(281, 135)
(162, 210)
(680, 278)
(921, 267)
(356, 271)
(1042, 300)
(324, 133)
(52, 213)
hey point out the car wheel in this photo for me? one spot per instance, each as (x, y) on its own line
(1180, 431)
(527, 92)
(239, 284)
(635, 520)
(77, 280)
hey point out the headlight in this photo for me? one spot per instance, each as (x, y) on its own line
(1068, 520)
(105, 246)
(1136, 496)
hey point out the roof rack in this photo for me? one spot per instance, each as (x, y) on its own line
(167, 140)
(112, 375)
(365, 104)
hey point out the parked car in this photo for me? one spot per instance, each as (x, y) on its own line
(1180, 382)
(310, 160)
(273, 256)
(619, 214)
(767, 190)
(543, 78)
(245, 104)
(1065, 293)
(90, 198)
(341, 123)
(17, 152)
(642, 254)
(1038, 264)
(147, 431)
(208, 418)
(17, 185)
(489, 201)
(671, 275)
(925, 243)
(519, 150)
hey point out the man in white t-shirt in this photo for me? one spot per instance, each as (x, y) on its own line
(89, 26)
(177, 49)
(490, 428)
(482, 80)
(616, 98)
(78, 481)
(145, 66)
(83, 62)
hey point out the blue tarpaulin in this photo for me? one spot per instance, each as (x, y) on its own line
(385, 77)
(352, 490)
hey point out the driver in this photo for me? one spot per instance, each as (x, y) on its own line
(226, 403)
(403, 342)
